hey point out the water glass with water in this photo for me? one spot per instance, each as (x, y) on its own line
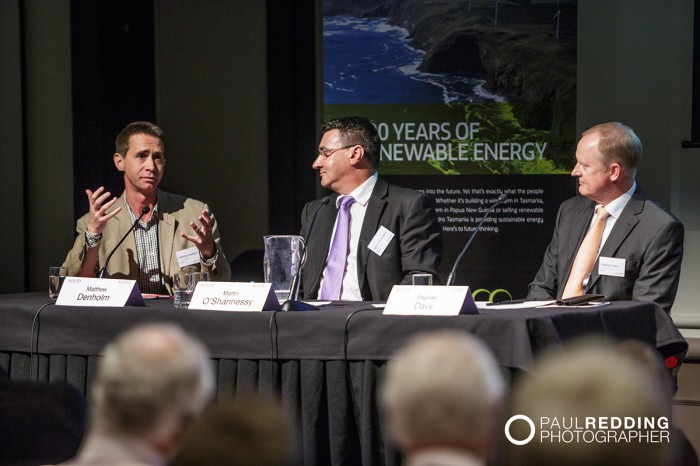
(56, 276)
(422, 279)
(184, 284)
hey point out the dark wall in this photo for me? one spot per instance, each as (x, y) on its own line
(112, 52)
(135, 60)
(292, 117)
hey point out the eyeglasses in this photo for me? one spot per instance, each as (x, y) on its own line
(328, 152)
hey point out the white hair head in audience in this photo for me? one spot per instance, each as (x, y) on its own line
(151, 382)
(592, 403)
(443, 393)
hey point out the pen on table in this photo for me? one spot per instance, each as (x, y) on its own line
(510, 301)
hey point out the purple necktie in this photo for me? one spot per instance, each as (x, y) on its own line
(335, 265)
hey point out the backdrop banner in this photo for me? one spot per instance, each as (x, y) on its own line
(471, 99)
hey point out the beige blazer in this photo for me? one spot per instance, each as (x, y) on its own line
(174, 216)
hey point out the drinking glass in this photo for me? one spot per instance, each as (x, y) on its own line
(425, 279)
(184, 284)
(56, 276)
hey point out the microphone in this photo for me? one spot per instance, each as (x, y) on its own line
(144, 211)
(451, 277)
(293, 304)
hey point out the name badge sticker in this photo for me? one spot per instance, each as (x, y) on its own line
(189, 256)
(380, 241)
(611, 266)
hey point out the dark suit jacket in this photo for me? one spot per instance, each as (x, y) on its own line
(646, 235)
(416, 246)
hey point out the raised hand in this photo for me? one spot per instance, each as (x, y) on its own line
(100, 203)
(203, 239)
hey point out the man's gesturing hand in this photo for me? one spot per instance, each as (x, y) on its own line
(99, 204)
(203, 239)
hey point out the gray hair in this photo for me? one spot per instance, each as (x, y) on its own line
(150, 372)
(443, 388)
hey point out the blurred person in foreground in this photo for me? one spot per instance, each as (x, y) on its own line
(612, 239)
(591, 404)
(442, 398)
(152, 382)
(245, 431)
(683, 452)
(150, 254)
(372, 235)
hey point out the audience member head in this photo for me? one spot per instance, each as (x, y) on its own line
(443, 390)
(650, 358)
(247, 431)
(152, 381)
(590, 381)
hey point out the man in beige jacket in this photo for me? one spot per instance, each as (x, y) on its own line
(166, 240)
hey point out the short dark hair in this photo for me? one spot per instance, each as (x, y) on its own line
(357, 130)
(121, 144)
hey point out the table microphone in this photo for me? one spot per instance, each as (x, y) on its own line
(293, 304)
(451, 277)
(144, 211)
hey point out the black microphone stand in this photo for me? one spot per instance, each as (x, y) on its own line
(293, 303)
(144, 211)
(453, 274)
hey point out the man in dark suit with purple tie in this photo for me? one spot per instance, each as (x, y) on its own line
(384, 233)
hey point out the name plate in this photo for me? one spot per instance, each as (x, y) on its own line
(234, 296)
(99, 292)
(426, 300)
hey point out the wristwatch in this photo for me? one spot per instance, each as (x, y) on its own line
(92, 241)
(211, 261)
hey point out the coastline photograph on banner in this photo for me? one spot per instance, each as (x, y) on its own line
(471, 99)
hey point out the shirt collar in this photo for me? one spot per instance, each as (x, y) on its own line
(151, 221)
(616, 207)
(362, 193)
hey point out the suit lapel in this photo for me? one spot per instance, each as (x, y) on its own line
(577, 229)
(324, 229)
(373, 215)
(623, 226)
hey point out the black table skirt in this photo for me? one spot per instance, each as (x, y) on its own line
(300, 356)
